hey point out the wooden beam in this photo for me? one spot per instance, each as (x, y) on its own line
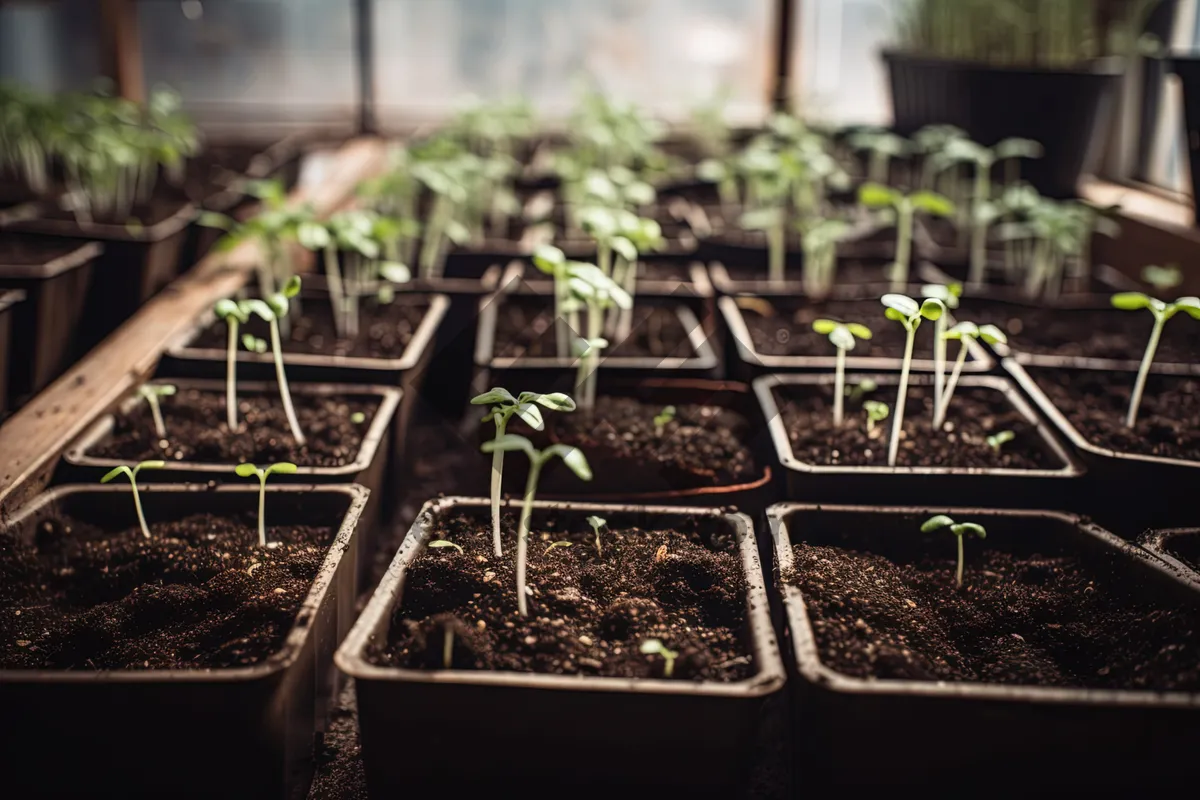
(33, 438)
(122, 46)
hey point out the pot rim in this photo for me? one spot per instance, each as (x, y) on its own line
(1102, 66)
(76, 257)
(164, 228)
(1155, 543)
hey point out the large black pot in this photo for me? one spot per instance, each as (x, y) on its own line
(1066, 110)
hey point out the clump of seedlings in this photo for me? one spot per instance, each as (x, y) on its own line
(654, 647)
(1133, 301)
(151, 392)
(909, 313)
(843, 336)
(902, 209)
(1051, 240)
(571, 456)
(503, 407)
(249, 470)
(132, 473)
(960, 530)
(962, 332)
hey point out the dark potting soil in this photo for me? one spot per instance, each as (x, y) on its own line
(525, 327)
(1089, 333)
(700, 446)
(1019, 619)
(871, 273)
(1096, 402)
(385, 330)
(199, 594)
(959, 271)
(974, 414)
(784, 328)
(197, 430)
(23, 250)
(589, 612)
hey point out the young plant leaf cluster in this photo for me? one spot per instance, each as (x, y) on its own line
(1162, 312)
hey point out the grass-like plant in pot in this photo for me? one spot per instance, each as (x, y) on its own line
(1135, 301)
(902, 209)
(908, 313)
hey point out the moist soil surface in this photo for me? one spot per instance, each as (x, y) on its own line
(197, 430)
(974, 414)
(784, 328)
(30, 250)
(525, 327)
(1019, 619)
(589, 612)
(199, 594)
(1096, 402)
(385, 331)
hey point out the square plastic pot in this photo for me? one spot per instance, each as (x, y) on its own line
(1164, 544)
(979, 738)
(834, 484)
(246, 731)
(480, 728)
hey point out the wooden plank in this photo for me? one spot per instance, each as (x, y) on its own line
(32, 439)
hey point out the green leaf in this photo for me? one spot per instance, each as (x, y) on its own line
(824, 326)
(282, 468)
(624, 248)
(245, 470)
(842, 338)
(1189, 305)
(936, 523)
(1016, 147)
(711, 171)
(253, 343)
(554, 545)
(494, 396)
(874, 195)
(211, 219)
(876, 410)
(574, 458)
(906, 307)
(115, 471)
(548, 258)
(444, 543)
(761, 219)
(258, 307)
(965, 528)
(457, 232)
(509, 443)
(292, 287)
(1162, 278)
(227, 309)
(932, 308)
(151, 465)
(991, 334)
(313, 236)
(896, 315)
(597, 522)
(531, 415)
(932, 203)
(859, 331)
(395, 272)
(1131, 301)
(963, 330)
(556, 401)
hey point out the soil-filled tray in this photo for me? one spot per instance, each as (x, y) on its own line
(1178, 547)
(776, 335)
(821, 461)
(209, 657)
(855, 277)
(1092, 290)
(572, 676)
(1068, 657)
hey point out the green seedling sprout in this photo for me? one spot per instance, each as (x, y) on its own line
(959, 529)
(930, 141)
(503, 407)
(908, 313)
(819, 239)
(248, 470)
(546, 552)
(234, 316)
(654, 647)
(598, 524)
(553, 262)
(151, 392)
(961, 332)
(998, 440)
(882, 146)
(863, 387)
(274, 309)
(949, 295)
(842, 335)
(254, 344)
(876, 412)
(903, 209)
(574, 459)
(132, 473)
(662, 418)
(594, 291)
(1162, 278)
(640, 235)
(1132, 301)
(445, 543)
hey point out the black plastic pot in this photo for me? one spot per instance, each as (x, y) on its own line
(1188, 70)
(246, 732)
(1066, 110)
(749, 363)
(839, 484)
(1002, 740)
(367, 469)
(9, 300)
(1166, 544)
(47, 323)
(480, 728)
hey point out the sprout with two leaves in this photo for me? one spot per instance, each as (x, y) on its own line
(234, 315)
(503, 407)
(594, 291)
(1133, 301)
(598, 524)
(819, 239)
(447, 179)
(574, 459)
(959, 529)
(273, 309)
(963, 331)
(151, 393)
(903, 209)
(768, 186)
(929, 141)
(842, 335)
(949, 295)
(132, 474)
(882, 146)
(908, 313)
(655, 647)
(876, 412)
(248, 470)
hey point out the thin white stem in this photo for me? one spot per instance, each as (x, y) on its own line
(284, 394)
(951, 385)
(137, 504)
(776, 252)
(535, 467)
(497, 480)
(262, 506)
(898, 422)
(337, 292)
(231, 376)
(561, 327)
(160, 428)
(939, 365)
(839, 387)
(959, 574)
(447, 647)
(1135, 399)
(625, 315)
(595, 320)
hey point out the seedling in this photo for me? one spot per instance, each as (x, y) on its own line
(598, 524)
(998, 440)
(247, 470)
(1132, 301)
(132, 473)
(654, 647)
(1162, 278)
(151, 392)
(949, 296)
(662, 418)
(908, 313)
(863, 387)
(882, 146)
(592, 289)
(574, 459)
(553, 262)
(445, 543)
(818, 241)
(876, 412)
(274, 309)
(963, 331)
(254, 344)
(959, 529)
(546, 552)
(234, 316)
(903, 209)
(843, 336)
(503, 406)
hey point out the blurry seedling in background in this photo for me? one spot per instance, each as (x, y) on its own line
(445, 543)
(662, 418)
(902, 209)
(1162, 278)
(998, 440)
(132, 474)
(151, 393)
(876, 412)
(248, 470)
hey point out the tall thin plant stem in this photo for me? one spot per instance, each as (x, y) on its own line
(839, 387)
(951, 385)
(898, 420)
(535, 468)
(1135, 399)
(497, 482)
(284, 393)
(231, 375)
